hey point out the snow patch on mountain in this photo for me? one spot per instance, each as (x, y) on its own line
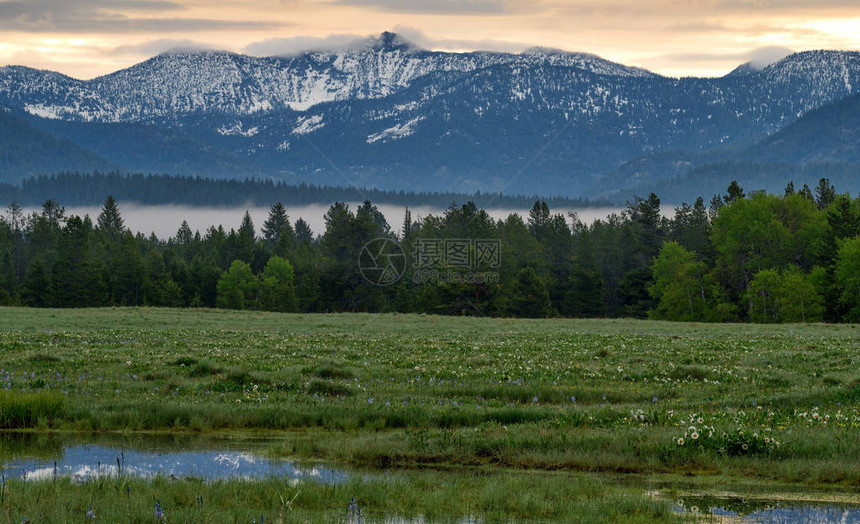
(237, 129)
(49, 112)
(308, 125)
(396, 132)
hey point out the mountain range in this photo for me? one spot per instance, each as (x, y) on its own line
(384, 113)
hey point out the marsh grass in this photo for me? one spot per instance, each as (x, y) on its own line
(437, 497)
(26, 410)
(329, 369)
(417, 391)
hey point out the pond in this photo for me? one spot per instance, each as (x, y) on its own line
(86, 457)
(759, 509)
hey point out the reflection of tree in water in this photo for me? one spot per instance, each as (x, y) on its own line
(36, 445)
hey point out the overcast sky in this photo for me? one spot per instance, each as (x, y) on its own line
(87, 38)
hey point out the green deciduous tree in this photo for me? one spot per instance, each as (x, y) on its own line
(237, 287)
(277, 286)
(784, 296)
(681, 285)
(847, 275)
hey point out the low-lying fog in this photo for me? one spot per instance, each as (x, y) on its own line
(164, 220)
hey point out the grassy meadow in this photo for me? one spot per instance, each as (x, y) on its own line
(496, 418)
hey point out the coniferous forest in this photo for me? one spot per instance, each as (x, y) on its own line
(793, 257)
(76, 189)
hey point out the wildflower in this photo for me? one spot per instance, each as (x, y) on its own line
(694, 509)
(745, 447)
(680, 441)
(159, 511)
(766, 440)
(354, 512)
(91, 514)
(695, 436)
(370, 400)
(700, 420)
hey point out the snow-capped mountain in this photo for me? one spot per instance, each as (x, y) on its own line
(181, 82)
(385, 113)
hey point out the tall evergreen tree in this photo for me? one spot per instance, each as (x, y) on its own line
(303, 232)
(825, 193)
(734, 193)
(110, 221)
(77, 279)
(277, 224)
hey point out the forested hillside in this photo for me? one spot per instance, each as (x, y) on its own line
(27, 151)
(793, 257)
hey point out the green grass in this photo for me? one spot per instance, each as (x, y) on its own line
(593, 396)
(437, 497)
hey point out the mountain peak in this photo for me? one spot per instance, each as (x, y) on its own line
(745, 69)
(191, 50)
(540, 50)
(389, 41)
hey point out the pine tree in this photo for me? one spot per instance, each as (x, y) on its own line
(538, 219)
(714, 207)
(276, 225)
(789, 189)
(825, 193)
(54, 214)
(245, 239)
(109, 220)
(77, 279)
(734, 193)
(303, 232)
(184, 236)
(805, 192)
(528, 296)
(406, 230)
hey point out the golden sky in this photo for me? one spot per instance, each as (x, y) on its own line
(87, 38)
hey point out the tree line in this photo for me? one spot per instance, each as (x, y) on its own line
(793, 257)
(84, 189)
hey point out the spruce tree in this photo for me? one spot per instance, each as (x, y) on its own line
(109, 220)
(303, 232)
(825, 193)
(734, 193)
(276, 225)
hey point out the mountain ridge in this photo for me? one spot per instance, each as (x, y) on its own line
(391, 115)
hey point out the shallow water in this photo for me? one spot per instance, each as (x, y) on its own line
(759, 510)
(88, 456)
(147, 457)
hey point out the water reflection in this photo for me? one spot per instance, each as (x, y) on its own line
(45, 457)
(745, 510)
